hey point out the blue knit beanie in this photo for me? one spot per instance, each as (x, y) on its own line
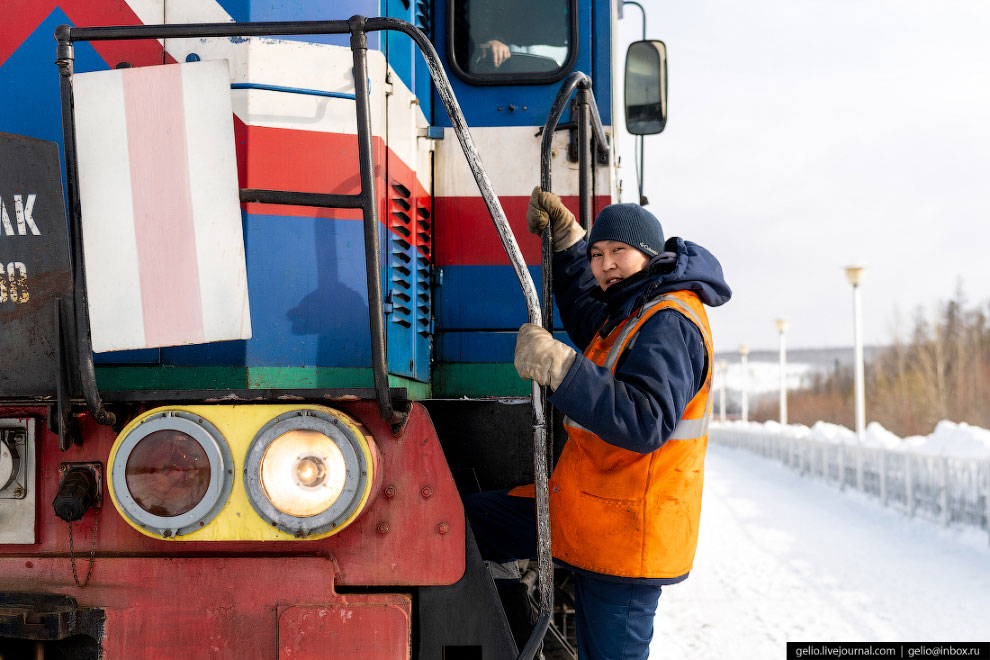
(630, 224)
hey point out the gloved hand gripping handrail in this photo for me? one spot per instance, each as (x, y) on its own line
(587, 111)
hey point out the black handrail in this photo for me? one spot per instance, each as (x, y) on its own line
(80, 307)
(587, 115)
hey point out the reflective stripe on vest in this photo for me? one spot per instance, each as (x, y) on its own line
(686, 429)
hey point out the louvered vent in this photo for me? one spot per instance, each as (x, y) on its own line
(423, 19)
(424, 240)
(411, 241)
(403, 290)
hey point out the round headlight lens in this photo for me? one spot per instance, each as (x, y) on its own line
(302, 472)
(171, 471)
(167, 473)
(310, 471)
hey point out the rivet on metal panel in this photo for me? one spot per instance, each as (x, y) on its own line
(382, 527)
(443, 528)
(426, 492)
(389, 492)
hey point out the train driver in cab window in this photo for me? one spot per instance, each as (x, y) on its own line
(625, 495)
(511, 36)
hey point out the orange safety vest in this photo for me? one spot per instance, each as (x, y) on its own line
(619, 512)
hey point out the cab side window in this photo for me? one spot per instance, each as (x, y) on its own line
(512, 41)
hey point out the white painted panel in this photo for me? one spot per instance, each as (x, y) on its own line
(511, 155)
(213, 190)
(149, 12)
(198, 11)
(403, 119)
(109, 240)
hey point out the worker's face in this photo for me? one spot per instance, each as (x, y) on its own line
(614, 261)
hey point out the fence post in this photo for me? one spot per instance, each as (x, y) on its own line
(842, 466)
(859, 468)
(943, 497)
(883, 476)
(909, 483)
(986, 502)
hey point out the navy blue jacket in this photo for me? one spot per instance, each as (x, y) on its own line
(638, 407)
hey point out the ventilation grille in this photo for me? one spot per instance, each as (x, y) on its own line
(411, 238)
(423, 19)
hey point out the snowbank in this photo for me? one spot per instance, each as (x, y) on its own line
(948, 439)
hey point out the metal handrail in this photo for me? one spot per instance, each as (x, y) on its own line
(587, 111)
(357, 26)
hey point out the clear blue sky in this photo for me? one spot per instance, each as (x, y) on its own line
(807, 135)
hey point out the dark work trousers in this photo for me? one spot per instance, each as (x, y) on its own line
(614, 620)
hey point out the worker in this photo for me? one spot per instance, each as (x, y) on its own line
(625, 495)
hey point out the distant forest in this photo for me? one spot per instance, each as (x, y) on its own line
(936, 367)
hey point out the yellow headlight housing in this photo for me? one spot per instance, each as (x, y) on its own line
(243, 472)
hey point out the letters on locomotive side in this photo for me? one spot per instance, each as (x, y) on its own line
(34, 264)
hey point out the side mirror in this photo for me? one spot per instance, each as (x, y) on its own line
(646, 87)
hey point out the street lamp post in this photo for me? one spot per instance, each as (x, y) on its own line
(743, 352)
(722, 367)
(855, 275)
(782, 325)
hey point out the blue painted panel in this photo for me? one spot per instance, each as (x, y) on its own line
(308, 296)
(481, 346)
(481, 103)
(602, 72)
(483, 298)
(399, 47)
(304, 10)
(404, 56)
(142, 356)
(29, 83)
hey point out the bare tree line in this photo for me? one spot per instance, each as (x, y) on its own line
(939, 369)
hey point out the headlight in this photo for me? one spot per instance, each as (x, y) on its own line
(172, 473)
(309, 472)
(243, 472)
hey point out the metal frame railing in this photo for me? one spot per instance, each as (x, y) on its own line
(357, 27)
(949, 490)
(588, 117)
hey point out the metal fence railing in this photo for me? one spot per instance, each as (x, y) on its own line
(949, 490)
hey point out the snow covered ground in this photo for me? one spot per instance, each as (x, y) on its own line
(782, 558)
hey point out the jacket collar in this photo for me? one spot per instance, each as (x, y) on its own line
(682, 266)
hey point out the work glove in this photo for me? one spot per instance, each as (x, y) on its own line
(545, 207)
(542, 358)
